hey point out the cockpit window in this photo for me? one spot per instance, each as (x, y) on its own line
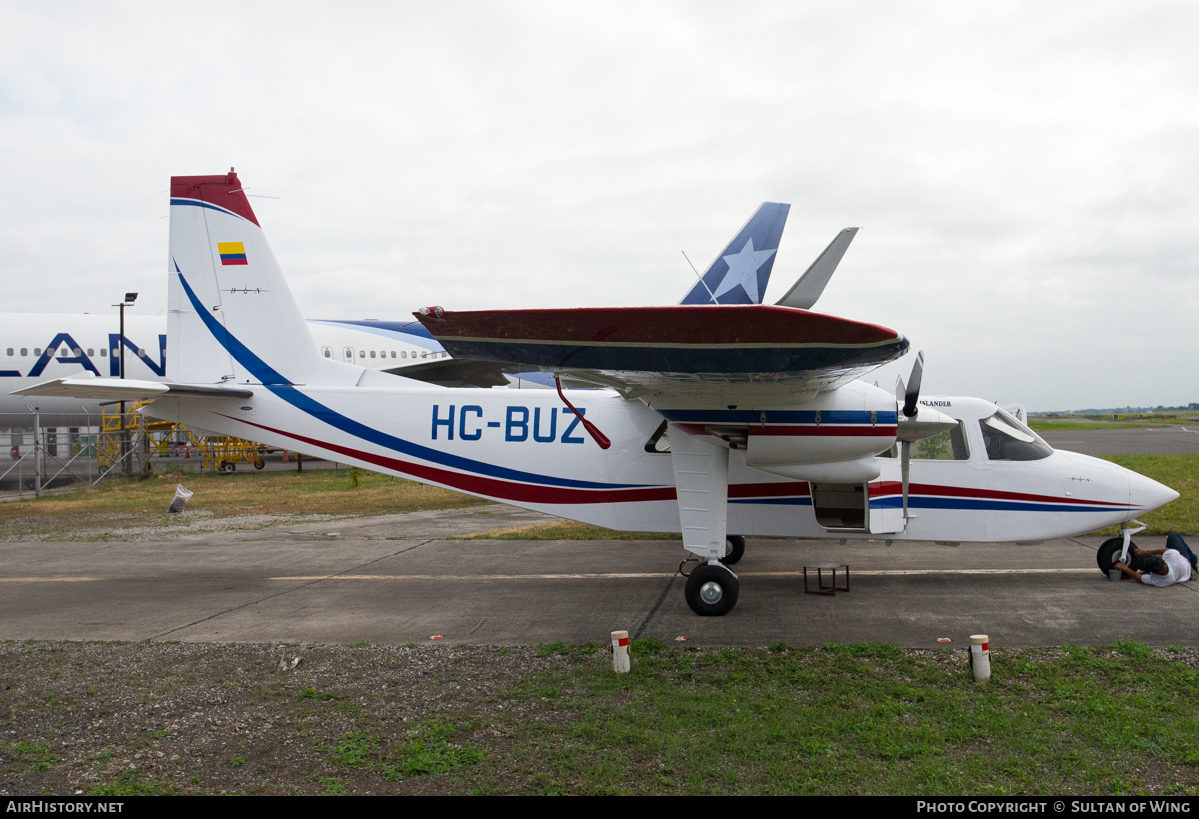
(949, 445)
(1007, 439)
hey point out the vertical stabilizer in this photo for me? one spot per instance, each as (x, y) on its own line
(232, 317)
(740, 273)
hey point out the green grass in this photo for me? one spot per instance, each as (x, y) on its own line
(131, 783)
(36, 754)
(1071, 426)
(316, 492)
(431, 748)
(566, 530)
(853, 719)
(1180, 473)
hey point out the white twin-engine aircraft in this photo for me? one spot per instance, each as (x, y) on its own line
(716, 420)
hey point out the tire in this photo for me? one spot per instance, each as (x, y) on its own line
(259, 464)
(1109, 553)
(711, 590)
(228, 468)
(736, 550)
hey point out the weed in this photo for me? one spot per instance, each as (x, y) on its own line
(331, 786)
(36, 753)
(237, 761)
(354, 749)
(312, 694)
(130, 783)
(431, 751)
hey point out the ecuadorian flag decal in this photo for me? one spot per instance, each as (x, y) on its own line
(232, 252)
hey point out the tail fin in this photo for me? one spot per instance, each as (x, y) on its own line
(807, 289)
(740, 273)
(232, 317)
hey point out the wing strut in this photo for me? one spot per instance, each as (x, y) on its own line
(592, 429)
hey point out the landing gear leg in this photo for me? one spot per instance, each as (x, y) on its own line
(712, 590)
(701, 479)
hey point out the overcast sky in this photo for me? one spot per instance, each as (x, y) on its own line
(1025, 175)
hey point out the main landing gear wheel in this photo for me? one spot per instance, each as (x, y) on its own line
(1109, 553)
(736, 550)
(711, 590)
(260, 463)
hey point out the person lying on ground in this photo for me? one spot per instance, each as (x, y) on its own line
(1162, 567)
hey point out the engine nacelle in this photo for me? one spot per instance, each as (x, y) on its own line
(832, 437)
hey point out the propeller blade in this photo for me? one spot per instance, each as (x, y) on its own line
(913, 392)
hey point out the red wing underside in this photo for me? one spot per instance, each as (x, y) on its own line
(681, 348)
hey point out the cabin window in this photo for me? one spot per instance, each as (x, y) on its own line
(24, 351)
(77, 352)
(949, 445)
(403, 353)
(91, 351)
(10, 351)
(372, 353)
(393, 353)
(1006, 439)
(362, 353)
(327, 352)
(103, 352)
(424, 354)
(37, 350)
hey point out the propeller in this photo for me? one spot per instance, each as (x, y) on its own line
(908, 396)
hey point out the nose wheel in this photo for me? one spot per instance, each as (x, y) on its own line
(711, 590)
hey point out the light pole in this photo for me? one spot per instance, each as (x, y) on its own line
(128, 301)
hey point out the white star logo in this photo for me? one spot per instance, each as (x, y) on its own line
(743, 270)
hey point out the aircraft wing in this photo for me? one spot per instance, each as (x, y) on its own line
(124, 389)
(754, 348)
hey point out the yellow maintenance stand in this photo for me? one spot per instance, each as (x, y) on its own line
(147, 438)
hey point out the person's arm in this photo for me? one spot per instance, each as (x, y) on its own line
(1128, 572)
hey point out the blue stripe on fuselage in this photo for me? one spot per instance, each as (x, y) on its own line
(317, 410)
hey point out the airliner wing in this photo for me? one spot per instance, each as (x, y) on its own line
(674, 350)
(125, 389)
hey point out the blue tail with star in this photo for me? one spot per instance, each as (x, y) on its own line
(740, 273)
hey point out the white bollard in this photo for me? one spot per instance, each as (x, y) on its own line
(980, 657)
(620, 652)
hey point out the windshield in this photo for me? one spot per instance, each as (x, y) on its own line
(1007, 439)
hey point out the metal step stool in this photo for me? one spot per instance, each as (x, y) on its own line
(820, 569)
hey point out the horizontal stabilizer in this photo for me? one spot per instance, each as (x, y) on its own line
(806, 292)
(124, 389)
(456, 372)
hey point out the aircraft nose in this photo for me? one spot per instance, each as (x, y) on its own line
(1147, 493)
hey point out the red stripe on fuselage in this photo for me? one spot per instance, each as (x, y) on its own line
(534, 493)
(884, 488)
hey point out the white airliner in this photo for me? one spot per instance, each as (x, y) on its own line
(714, 420)
(37, 346)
